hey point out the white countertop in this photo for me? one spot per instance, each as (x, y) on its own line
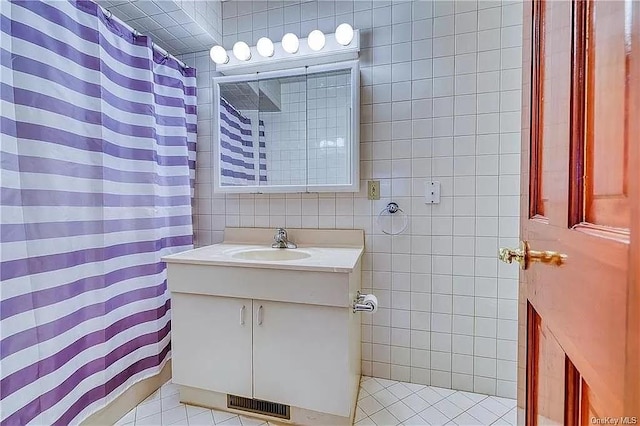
(324, 259)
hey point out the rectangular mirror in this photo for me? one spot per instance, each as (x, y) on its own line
(328, 123)
(288, 131)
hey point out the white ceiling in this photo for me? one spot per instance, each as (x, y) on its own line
(178, 26)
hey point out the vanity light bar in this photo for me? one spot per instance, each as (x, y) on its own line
(315, 50)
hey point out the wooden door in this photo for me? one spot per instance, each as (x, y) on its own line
(300, 356)
(211, 340)
(579, 322)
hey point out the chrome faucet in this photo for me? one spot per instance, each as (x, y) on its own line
(280, 240)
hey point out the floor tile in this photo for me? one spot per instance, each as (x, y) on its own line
(192, 410)
(401, 411)
(482, 414)
(400, 390)
(381, 402)
(174, 415)
(386, 382)
(170, 402)
(362, 393)
(494, 406)
(416, 403)
(153, 420)
(460, 400)
(148, 409)
(221, 416)
(203, 419)
(366, 422)
(511, 403)
(152, 397)
(370, 405)
(384, 418)
(385, 397)
(443, 391)
(433, 417)
(371, 386)
(233, 421)
(511, 416)
(415, 421)
(168, 389)
(465, 419)
(475, 397)
(414, 387)
(429, 395)
(448, 408)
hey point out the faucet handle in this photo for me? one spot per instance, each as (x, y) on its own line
(280, 233)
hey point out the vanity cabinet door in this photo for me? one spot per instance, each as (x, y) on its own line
(300, 356)
(211, 342)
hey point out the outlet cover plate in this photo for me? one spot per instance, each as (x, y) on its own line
(432, 192)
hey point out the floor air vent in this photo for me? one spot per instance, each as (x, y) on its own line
(258, 406)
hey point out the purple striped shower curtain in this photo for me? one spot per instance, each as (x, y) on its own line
(96, 159)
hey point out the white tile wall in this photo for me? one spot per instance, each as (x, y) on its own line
(440, 100)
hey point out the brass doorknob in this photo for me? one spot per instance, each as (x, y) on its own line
(524, 256)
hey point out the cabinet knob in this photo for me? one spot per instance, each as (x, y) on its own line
(259, 319)
(242, 315)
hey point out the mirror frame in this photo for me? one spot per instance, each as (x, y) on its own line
(353, 186)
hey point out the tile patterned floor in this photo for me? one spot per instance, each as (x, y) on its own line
(380, 403)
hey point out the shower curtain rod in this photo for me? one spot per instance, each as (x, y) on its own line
(159, 49)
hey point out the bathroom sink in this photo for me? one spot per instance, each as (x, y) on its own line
(273, 255)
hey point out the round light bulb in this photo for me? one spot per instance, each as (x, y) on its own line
(316, 40)
(219, 55)
(290, 43)
(344, 34)
(241, 51)
(265, 47)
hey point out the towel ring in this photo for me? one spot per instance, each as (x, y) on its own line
(393, 212)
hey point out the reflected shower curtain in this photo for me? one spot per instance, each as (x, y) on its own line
(237, 157)
(97, 161)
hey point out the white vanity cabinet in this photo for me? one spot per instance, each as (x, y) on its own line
(300, 356)
(211, 343)
(289, 353)
(282, 332)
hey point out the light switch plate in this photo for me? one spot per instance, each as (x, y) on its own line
(373, 189)
(432, 192)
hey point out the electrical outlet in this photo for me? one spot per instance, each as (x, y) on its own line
(373, 189)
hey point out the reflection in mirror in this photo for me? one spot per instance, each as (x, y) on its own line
(242, 156)
(288, 131)
(328, 118)
(283, 110)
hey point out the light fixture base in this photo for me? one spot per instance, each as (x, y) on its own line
(280, 60)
